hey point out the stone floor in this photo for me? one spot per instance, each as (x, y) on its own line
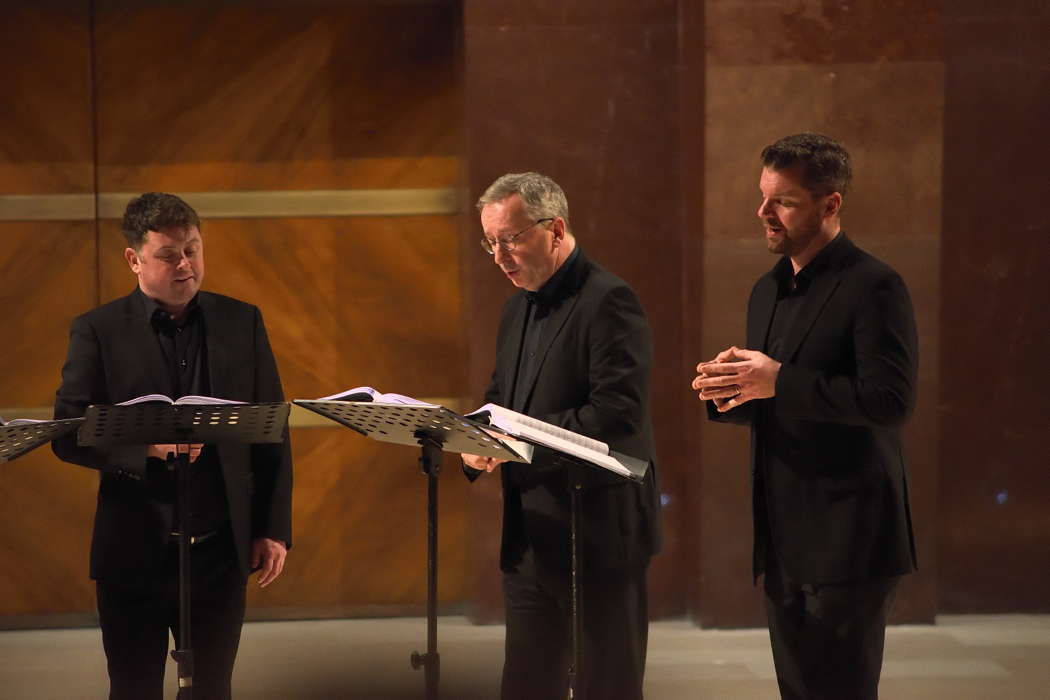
(961, 658)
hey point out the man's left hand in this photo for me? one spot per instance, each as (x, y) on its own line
(732, 384)
(270, 555)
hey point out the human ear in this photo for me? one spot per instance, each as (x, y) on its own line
(133, 259)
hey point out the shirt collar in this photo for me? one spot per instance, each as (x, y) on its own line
(158, 317)
(547, 294)
(816, 267)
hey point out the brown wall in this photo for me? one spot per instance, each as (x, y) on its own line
(651, 114)
(994, 520)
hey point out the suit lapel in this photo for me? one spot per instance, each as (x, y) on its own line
(555, 322)
(558, 316)
(507, 347)
(816, 299)
(218, 339)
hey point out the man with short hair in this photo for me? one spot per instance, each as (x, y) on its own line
(573, 349)
(168, 337)
(826, 383)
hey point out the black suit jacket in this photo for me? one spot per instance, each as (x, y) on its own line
(114, 356)
(593, 378)
(827, 462)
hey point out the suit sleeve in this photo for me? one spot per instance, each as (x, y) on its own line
(620, 350)
(741, 415)
(271, 463)
(83, 384)
(882, 392)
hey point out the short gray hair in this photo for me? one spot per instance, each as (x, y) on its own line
(543, 197)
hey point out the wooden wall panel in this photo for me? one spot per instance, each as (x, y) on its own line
(45, 126)
(45, 536)
(48, 273)
(276, 95)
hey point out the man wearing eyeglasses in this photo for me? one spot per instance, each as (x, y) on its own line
(574, 350)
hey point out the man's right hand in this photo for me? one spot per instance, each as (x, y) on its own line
(161, 451)
(720, 397)
(482, 464)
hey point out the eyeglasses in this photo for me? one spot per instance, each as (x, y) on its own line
(508, 244)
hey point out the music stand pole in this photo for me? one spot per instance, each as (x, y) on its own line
(430, 463)
(576, 601)
(183, 652)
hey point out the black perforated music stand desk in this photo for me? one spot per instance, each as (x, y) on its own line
(17, 440)
(183, 424)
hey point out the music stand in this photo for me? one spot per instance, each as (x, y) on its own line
(183, 424)
(575, 467)
(16, 440)
(433, 429)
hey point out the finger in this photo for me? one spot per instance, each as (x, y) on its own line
(278, 565)
(726, 405)
(722, 392)
(734, 402)
(718, 381)
(721, 368)
(490, 464)
(266, 573)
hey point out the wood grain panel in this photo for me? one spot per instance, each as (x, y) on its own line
(277, 96)
(48, 273)
(45, 126)
(45, 535)
(360, 532)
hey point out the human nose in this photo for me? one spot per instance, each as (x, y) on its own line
(499, 254)
(184, 262)
(763, 209)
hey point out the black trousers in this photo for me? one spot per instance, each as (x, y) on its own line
(827, 639)
(539, 633)
(135, 620)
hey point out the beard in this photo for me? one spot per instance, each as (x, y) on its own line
(792, 241)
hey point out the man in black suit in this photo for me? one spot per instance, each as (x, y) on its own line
(574, 349)
(826, 385)
(167, 337)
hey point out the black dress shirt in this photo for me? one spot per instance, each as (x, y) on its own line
(184, 349)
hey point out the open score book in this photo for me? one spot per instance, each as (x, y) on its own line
(538, 432)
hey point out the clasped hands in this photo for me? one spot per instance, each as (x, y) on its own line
(736, 376)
